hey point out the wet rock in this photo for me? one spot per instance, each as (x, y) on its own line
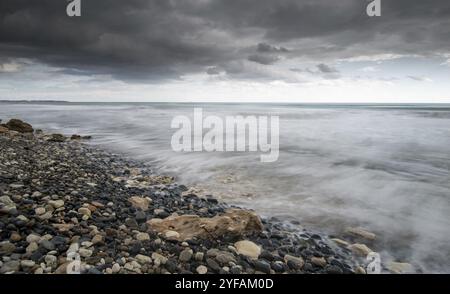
(19, 126)
(360, 233)
(58, 138)
(234, 222)
(400, 267)
(360, 249)
(318, 261)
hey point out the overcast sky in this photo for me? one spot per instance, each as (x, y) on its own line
(226, 50)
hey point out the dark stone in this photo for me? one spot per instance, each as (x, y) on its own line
(212, 264)
(262, 266)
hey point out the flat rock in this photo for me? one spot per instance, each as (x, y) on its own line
(233, 223)
(248, 248)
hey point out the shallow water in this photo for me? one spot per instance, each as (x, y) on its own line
(383, 168)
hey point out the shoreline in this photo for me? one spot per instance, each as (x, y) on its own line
(61, 198)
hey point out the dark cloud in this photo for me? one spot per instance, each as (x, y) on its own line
(267, 48)
(263, 59)
(323, 68)
(150, 40)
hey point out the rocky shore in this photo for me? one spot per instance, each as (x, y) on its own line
(69, 207)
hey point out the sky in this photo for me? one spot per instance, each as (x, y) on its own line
(226, 51)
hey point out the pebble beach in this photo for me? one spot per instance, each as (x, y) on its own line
(63, 200)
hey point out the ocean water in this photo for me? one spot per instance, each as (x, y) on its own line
(385, 168)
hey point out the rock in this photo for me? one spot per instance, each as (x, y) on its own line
(225, 258)
(142, 259)
(97, 239)
(360, 249)
(33, 246)
(142, 237)
(248, 248)
(116, 268)
(199, 256)
(59, 138)
(6, 248)
(201, 269)
(318, 261)
(6, 204)
(360, 233)
(360, 270)
(262, 266)
(47, 245)
(33, 238)
(45, 216)
(3, 130)
(19, 126)
(39, 210)
(186, 255)
(51, 261)
(84, 211)
(340, 242)
(10, 266)
(27, 264)
(233, 223)
(213, 265)
(139, 202)
(172, 235)
(400, 267)
(158, 258)
(56, 203)
(63, 227)
(85, 252)
(15, 237)
(298, 262)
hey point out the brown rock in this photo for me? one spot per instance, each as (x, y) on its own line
(19, 126)
(56, 138)
(360, 233)
(234, 222)
(139, 202)
(360, 249)
(3, 130)
(319, 261)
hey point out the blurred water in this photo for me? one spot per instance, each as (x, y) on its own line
(383, 168)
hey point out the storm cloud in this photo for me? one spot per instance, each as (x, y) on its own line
(153, 40)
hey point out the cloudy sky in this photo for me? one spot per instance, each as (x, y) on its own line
(226, 50)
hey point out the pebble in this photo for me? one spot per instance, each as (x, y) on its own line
(360, 249)
(84, 211)
(116, 268)
(296, 262)
(199, 256)
(142, 237)
(85, 252)
(318, 261)
(39, 210)
(202, 269)
(142, 259)
(171, 235)
(248, 248)
(186, 255)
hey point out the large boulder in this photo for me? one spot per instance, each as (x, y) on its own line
(233, 223)
(19, 126)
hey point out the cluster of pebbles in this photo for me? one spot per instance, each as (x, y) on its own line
(67, 207)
